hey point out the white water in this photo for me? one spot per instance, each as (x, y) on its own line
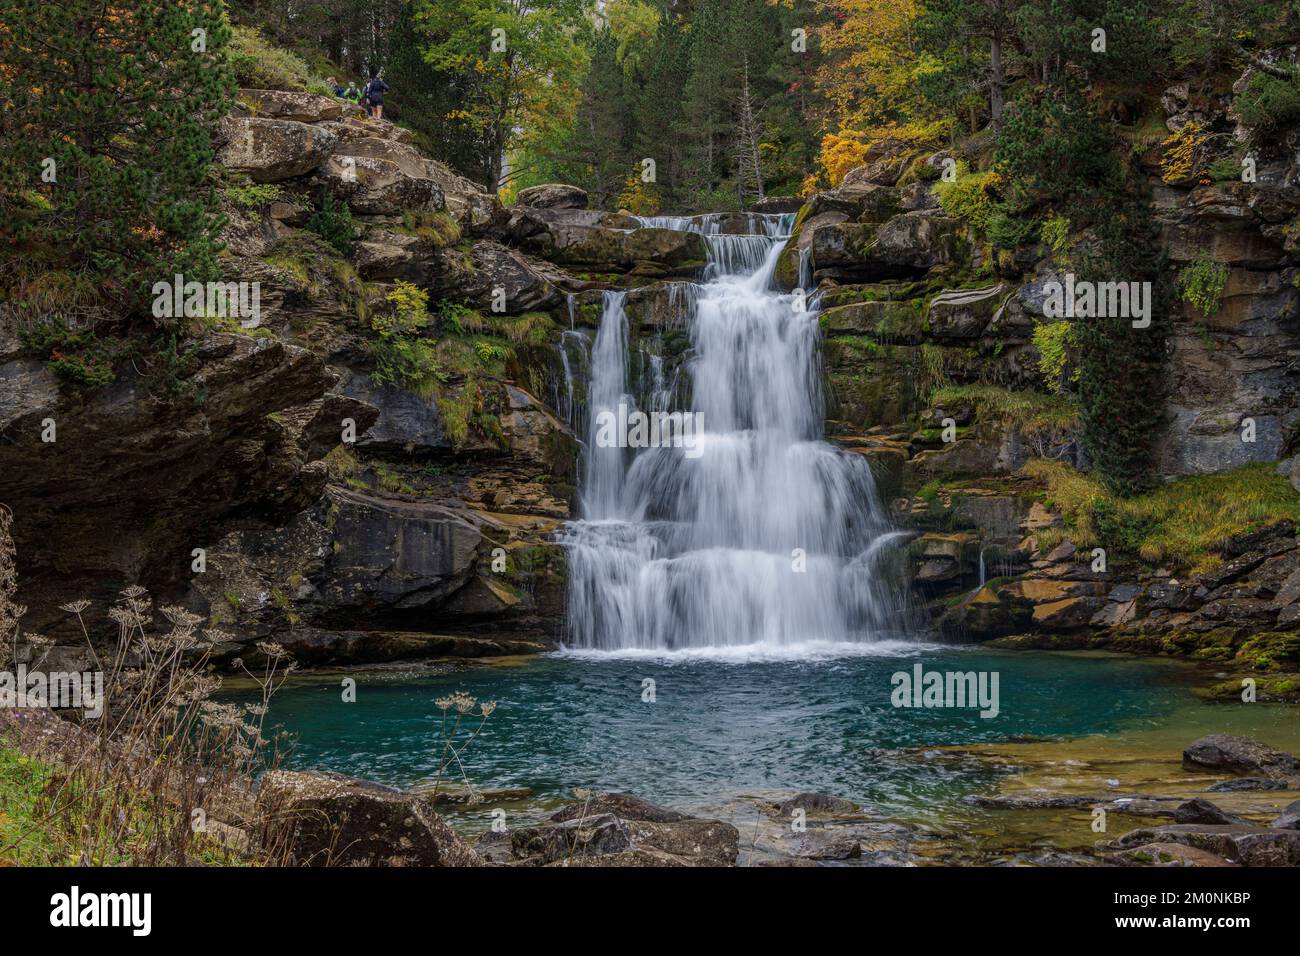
(681, 554)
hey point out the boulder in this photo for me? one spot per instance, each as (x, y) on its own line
(553, 196)
(381, 177)
(651, 251)
(817, 804)
(1203, 811)
(291, 105)
(621, 830)
(479, 278)
(1289, 819)
(270, 150)
(328, 820)
(1228, 753)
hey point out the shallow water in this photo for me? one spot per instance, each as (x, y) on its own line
(729, 723)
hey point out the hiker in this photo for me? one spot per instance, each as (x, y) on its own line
(375, 91)
(352, 94)
(333, 84)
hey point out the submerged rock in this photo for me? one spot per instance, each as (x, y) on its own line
(1227, 753)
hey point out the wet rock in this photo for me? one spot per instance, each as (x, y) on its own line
(1245, 784)
(622, 830)
(553, 196)
(1226, 753)
(330, 820)
(1203, 811)
(271, 150)
(1289, 819)
(817, 804)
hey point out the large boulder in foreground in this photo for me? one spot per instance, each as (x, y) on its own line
(328, 820)
(292, 105)
(1228, 753)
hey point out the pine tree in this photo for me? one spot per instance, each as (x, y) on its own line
(749, 169)
(106, 139)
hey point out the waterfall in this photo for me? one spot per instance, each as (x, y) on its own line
(763, 534)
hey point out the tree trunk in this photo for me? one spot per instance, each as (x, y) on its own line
(997, 80)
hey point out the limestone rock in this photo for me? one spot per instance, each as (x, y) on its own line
(270, 150)
(553, 196)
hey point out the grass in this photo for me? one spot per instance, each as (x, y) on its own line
(1182, 523)
(23, 840)
(259, 64)
(1029, 412)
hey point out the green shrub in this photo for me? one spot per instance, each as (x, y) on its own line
(253, 195)
(1053, 340)
(403, 357)
(1055, 234)
(333, 222)
(1225, 170)
(1269, 105)
(1201, 285)
(970, 198)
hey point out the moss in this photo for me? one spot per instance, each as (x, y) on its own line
(438, 228)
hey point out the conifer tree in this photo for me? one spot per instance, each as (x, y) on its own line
(106, 137)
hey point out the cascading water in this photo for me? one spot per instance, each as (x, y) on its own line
(762, 534)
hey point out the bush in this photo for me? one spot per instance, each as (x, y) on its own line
(970, 198)
(403, 357)
(1269, 105)
(1201, 285)
(333, 223)
(252, 195)
(1053, 340)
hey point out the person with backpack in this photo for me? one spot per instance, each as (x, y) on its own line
(374, 92)
(352, 94)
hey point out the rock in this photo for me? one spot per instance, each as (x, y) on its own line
(388, 255)
(1245, 783)
(1172, 854)
(621, 830)
(964, 313)
(553, 196)
(566, 240)
(1226, 753)
(391, 555)
(1203, 811)
(1289, 818)
(1067, 614)
(490, 269)
(381, 177)
(290, 105)
(818, 804)
(270, 150)
(339, 821)
(131, 474)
